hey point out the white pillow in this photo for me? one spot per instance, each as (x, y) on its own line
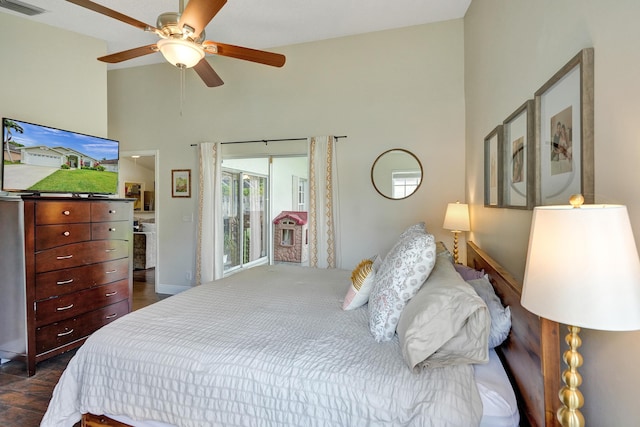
(403, 271)
(362, 279)
(500, 315)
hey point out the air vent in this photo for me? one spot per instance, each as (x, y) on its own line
(20, 7)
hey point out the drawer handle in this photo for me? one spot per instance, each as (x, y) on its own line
(110, 250)
(66, 234)
(111, 316)
(66, 213)
(64, 282)
(112, 229)
(110, 294)
(110, 271)
(112, 211)
(65, 257)
(64, 308)
(62, 334)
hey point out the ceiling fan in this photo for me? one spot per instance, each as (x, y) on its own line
(182, 39)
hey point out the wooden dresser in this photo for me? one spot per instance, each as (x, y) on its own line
(70, 272)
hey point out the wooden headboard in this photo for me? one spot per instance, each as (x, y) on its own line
(531, 353)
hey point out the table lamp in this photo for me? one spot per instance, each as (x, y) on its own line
(582, 270)
(456, 219)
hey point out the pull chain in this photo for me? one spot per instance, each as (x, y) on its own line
(183, 86)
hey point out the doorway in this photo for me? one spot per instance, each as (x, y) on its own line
(245, 218)
(138, 175)
(254, 191)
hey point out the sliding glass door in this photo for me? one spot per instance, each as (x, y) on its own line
(246, 223)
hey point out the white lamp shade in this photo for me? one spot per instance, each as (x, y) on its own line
(582, 267)
(457, 217)
(181, 53)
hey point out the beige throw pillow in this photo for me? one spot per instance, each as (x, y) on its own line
(445, 323)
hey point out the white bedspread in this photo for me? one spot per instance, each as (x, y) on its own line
(269, 346)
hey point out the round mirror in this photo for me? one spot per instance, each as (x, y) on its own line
(396, 174)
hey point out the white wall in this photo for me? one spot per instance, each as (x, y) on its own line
(393, 89)
(511, 49)
(284, 168)
(51, 77)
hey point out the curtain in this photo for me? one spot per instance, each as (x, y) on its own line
(255, 219)
(210, 234)
(323, 203)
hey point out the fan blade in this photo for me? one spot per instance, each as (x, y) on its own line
(207, 74)
(238, 52)
(113, 14)
(198, 13)
(129, 54)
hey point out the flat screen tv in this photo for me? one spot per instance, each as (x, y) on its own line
(42, 159)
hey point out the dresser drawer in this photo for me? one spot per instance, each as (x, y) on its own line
(118, 230)
(61, 333)
(72, 305)
(50, 236)
(111, 211)
(62, 212)
(78, 254)
(60, 282)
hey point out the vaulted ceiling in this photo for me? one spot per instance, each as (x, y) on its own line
(258, 24)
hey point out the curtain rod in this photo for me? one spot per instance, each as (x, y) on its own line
(268, 140)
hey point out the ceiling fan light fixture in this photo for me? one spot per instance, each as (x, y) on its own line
(181, 53)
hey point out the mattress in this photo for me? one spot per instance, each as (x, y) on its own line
(268, 346)
(499, 404)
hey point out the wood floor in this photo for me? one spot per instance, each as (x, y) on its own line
(23, 399)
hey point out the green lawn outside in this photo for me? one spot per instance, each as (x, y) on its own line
(78, 181)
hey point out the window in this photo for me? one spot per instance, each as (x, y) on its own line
(282, 185)
(404, 183)
(287, 237)
(245, 223)
(300, 186)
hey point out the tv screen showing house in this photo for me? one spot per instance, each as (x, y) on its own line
(42, 159)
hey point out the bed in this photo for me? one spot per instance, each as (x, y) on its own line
(531, 354)
(287, 354)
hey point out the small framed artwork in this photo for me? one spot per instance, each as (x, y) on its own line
(493, 169)
(519, 153)
(564, 133)
(181, 183)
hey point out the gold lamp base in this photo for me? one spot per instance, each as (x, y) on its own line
(569, 414)
(455, 246)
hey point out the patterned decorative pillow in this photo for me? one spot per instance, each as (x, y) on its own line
(415, 228)
(500, 315)
(362, 279)
(401, 275)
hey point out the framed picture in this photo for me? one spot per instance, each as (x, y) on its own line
(181, 183)
(564, 133)
(493, 169)
(519, 158)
